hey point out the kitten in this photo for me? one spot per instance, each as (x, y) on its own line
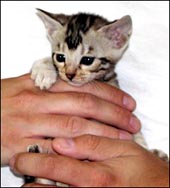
(85, 47)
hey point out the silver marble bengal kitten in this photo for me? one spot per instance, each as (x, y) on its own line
(84, 47)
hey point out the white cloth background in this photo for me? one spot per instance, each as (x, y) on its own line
(143, 71)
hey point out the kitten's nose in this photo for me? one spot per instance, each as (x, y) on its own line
(70, 76)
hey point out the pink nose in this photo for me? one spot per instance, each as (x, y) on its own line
(70, 76)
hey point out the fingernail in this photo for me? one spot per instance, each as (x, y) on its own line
(135, 124)
(129, 102)
(65, 143)
(125, 136)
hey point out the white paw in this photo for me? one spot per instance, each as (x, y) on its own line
(160, 154)
(34, 148)
(44, 79)
(59, 184)
(44, 73)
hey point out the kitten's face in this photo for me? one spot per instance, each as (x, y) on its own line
(84, 63)
(85, 47)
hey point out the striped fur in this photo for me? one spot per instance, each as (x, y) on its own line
(86, 35)
(77, 25)
(74, 37)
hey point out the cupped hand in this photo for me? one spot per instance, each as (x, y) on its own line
(112, 163)
(29, 115)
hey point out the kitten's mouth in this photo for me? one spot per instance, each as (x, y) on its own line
(74, 82)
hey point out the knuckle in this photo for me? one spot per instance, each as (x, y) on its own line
(25, 96)
(110, 132)
(92, 141)
(123, 115)
(88, 102)
(119, 111)
(134, 147)
(73, 124)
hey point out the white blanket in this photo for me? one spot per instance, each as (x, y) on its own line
(143, 71)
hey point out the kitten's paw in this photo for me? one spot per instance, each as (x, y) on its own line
(44, 80)
(160, 154)
(44, 73)
(34, 149)
(59, 184)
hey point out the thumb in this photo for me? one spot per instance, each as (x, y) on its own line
(94, 147)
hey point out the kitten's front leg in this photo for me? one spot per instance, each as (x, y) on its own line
(44, 73)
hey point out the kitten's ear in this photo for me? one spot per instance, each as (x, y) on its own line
(50, 23)
(118, 32)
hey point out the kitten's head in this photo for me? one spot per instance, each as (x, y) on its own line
(85, 46)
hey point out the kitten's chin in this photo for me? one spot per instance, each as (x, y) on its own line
(76, 84)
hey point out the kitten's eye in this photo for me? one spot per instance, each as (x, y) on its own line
(87, 60)
(60, 58)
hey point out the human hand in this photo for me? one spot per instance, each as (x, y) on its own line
(116, 163)
(29, 114)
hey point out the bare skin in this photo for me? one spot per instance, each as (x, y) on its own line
(29, 114)
(117, 163)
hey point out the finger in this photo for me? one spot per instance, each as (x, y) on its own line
(70, 126)
(94, 148)
(23, 145)
(102, 90)
(54, 167)
(89, 106)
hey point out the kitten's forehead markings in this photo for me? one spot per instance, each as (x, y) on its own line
(78, 25)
